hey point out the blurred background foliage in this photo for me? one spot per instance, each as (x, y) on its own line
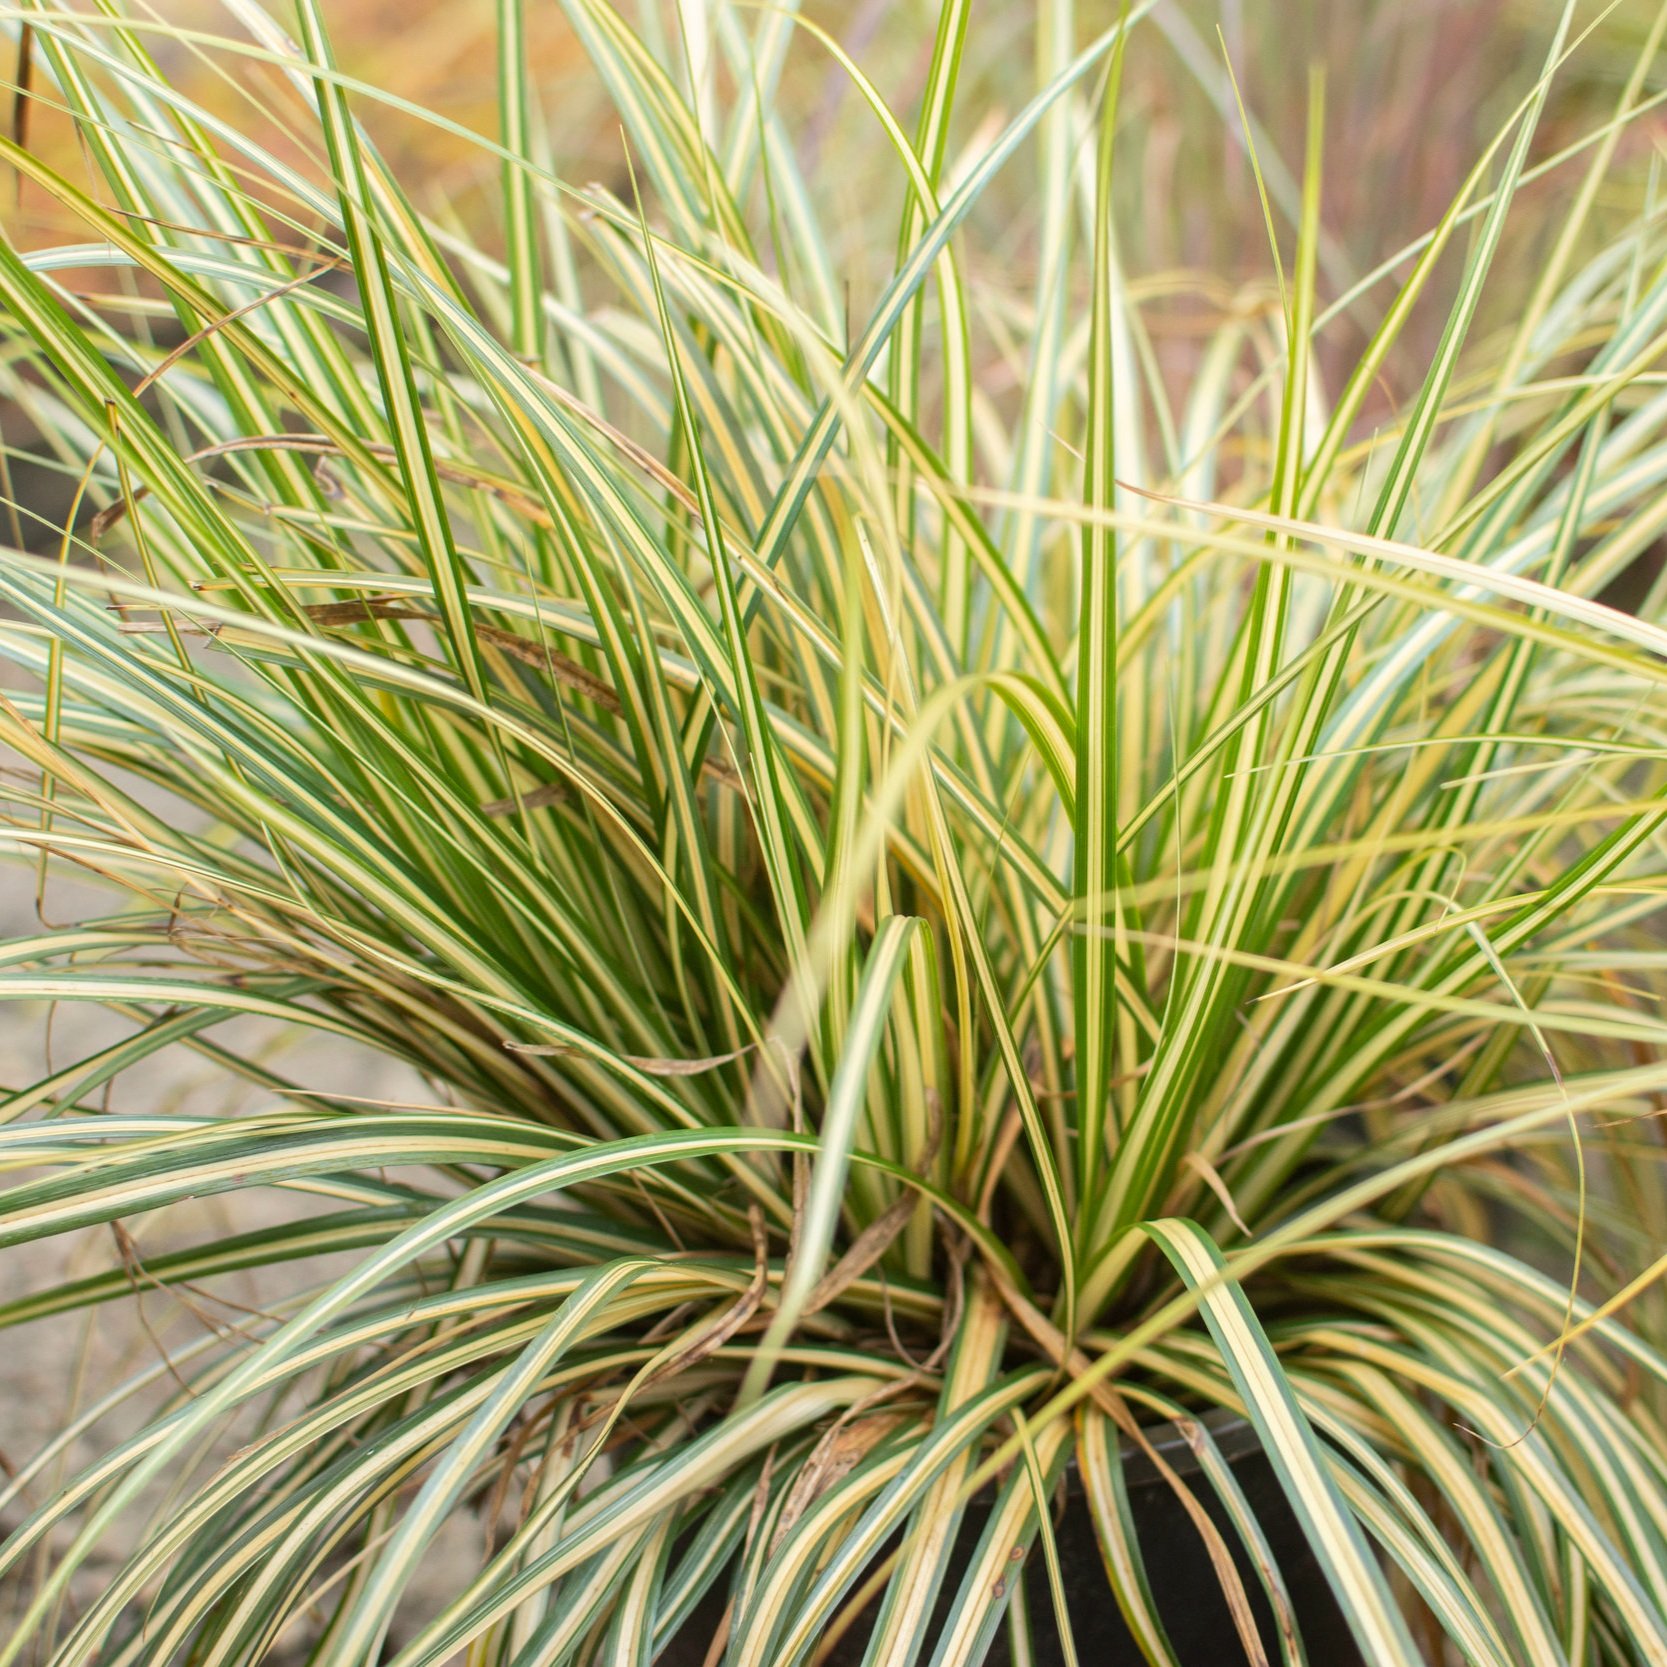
(1415, 89)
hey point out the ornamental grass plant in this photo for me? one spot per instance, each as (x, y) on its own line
(956, 897)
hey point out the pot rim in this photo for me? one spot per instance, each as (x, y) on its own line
(1234, 1436)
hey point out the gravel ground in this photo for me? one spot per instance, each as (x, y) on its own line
(53, 1368)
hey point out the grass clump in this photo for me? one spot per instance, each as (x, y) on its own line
(955, 895)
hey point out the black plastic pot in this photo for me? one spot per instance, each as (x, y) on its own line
(1184, 1586)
